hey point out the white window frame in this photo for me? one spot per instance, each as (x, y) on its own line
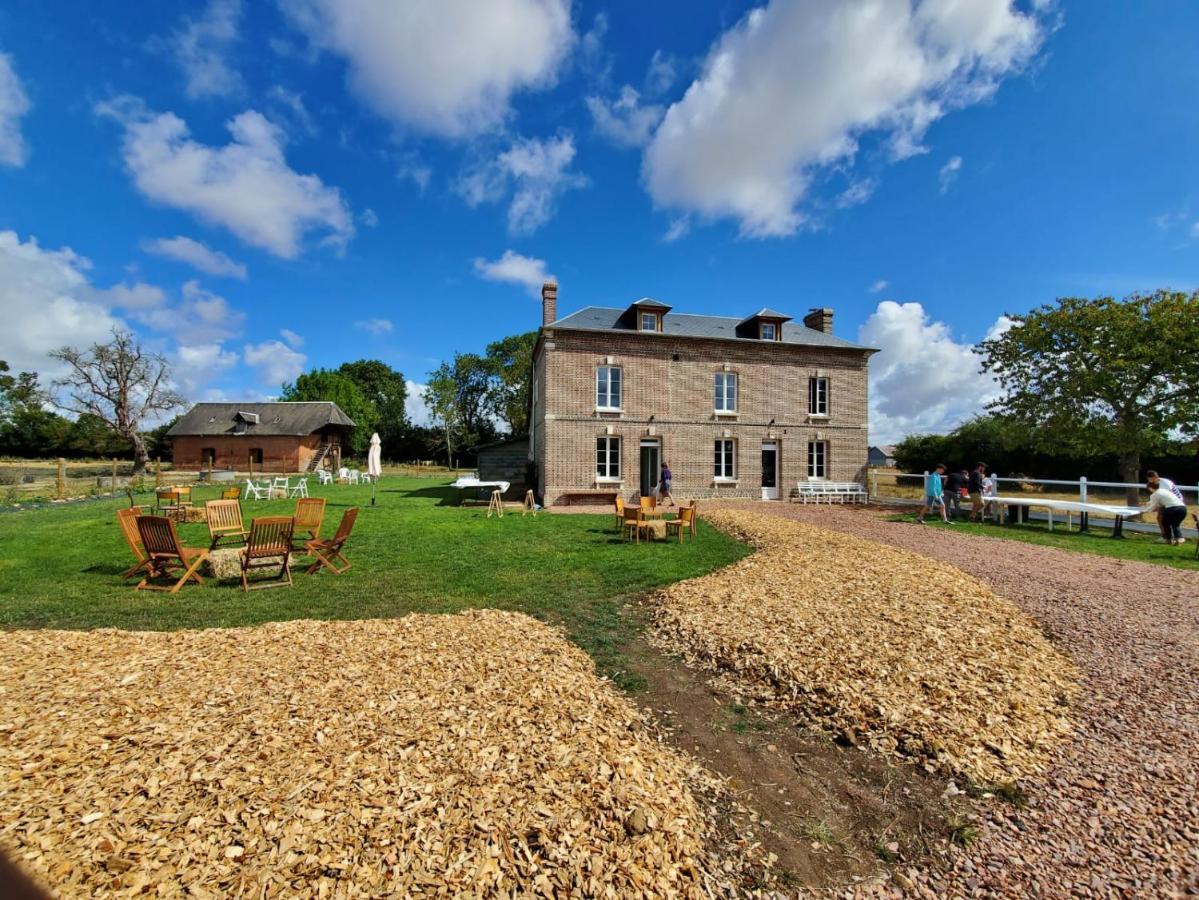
(817, 452)
(652, 318)
(607, 446)
(721, 398)
(724, 460)
(606, 396)
(773, 329)
(817, 404)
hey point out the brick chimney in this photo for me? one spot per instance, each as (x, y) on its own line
(820, 319)
(549, 302)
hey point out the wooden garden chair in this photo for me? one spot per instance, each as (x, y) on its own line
(633, 521)
(224, 521)
(685, 522)
(127, 519)
(310, 512)
(619, 511)
(166, 555)
(165, 500)
(328, 552)
(268, 546)
(231, 494)
(649, 504)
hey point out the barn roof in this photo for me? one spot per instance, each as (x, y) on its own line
(259, 419)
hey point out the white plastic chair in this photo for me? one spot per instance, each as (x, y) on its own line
(254, 492)
(299, 489)
(324, 476)
(353, 476)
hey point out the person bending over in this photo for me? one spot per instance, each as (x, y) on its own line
(1170, 509)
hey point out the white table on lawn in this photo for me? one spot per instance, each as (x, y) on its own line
(466, 482)
(1120, 513)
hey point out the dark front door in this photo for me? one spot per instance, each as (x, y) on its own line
(651, 467)
(770, 470)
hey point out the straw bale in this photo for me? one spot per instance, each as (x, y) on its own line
(878, 645)
(476, 754)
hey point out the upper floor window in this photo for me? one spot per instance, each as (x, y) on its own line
(725, 459)
(607, 457)
(768, 331)
(726, 392)
(649, 321)
(607, 387)
(818, 396)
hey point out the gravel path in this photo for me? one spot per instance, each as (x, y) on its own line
(1118, 812)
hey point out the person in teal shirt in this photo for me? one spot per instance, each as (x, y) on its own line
(934, 495)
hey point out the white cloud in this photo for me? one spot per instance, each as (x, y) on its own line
(624, 121)
(661, 75)
(202, 47)
(292, 105)
(415, 405)
(197, 364)
(197, 255)
(678, 228)
(133, 297)
(245, 185)
(374, 326)
(878, 286)
(856, 194)
(200, 315)
(923, 380)
(47, 303)
(369, 218)
(443, 67)
(949, 173)
(537, 172)
(275, 361)
(514, 268)
(14, 104)
(788, 92)
(291, 337)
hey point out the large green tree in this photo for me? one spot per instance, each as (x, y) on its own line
(386, 388)
(1104, 375)
(509, 363)
(323, 384)
(27, 427)
(458, 396)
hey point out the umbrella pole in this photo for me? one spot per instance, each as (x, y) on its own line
(374, 487)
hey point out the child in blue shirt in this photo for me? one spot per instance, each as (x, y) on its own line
(934, 495)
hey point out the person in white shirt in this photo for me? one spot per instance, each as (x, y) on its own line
(1155, 481)
(1171, 512)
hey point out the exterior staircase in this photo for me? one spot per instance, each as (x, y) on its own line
(321, 452)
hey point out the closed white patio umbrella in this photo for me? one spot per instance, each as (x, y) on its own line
(374, 463)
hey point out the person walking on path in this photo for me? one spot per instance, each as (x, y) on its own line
(934, 495)
(664, 486)
(1170, 509)
(975, 484)
(953, 487)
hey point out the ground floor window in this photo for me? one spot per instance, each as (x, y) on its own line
(725, 457)
(817, 459)
(208, 456)
(607, 457)
(256, 456)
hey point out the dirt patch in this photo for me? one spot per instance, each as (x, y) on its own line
(832, 815)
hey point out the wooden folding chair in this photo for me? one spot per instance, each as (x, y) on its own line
(633, 521)
(310, 513)
(166, 555)
(165, 500)
(685, 522)
(224, 521)
(268, 545)
(650, 503)
(127, 519)
(328, 552)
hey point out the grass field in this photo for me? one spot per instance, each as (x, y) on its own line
(414, 552)
(1139, 547)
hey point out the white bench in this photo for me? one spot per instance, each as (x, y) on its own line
(830, 492)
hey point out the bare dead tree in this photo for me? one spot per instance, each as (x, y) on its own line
(121, 384)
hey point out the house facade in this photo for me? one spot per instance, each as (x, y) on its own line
(738, 407)
(260, 437)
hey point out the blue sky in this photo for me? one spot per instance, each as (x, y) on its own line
(261, 188)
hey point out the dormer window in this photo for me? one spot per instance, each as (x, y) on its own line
(769, 331)
(650, 321)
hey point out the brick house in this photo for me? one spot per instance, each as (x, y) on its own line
(739, 407)
(270, 437)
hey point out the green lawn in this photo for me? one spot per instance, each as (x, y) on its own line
(1139, 547)
(414, 552)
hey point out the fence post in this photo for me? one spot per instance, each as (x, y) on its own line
(873, 492)
(1083, 519)
(157, 472)
(60, 481)
(114, 476)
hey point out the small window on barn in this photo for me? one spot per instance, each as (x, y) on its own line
(256, 455)
(208, 456)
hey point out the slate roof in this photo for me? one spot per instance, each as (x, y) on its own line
(302, 418)
(603, 318)
(767, 313)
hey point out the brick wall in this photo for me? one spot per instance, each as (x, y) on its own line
(668, 395)
(280, 453)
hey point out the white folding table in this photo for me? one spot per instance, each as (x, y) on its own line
(1119, 513)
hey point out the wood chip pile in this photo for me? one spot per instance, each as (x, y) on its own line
(473, 754)
(878, 645)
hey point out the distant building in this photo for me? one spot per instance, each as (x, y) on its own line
(739, 407)
(506, 460)
(272, 437)
(882, 456)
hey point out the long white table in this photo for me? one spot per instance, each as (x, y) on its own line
(1119, 513)
(466, 483)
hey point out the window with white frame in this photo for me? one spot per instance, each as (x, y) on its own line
(649, 321)
(607, 387)
(726, 454)
(768, 331)
(725, 399)
(818, 396)
(607, 457)
(817, 460)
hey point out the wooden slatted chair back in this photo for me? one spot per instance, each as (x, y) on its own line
(184, 493)
(619, 505)
(231, 494)
(223, 516)
(687, 516)
(345, 527)
(159, 537)
(164, 497)
(310, 512)
(649, 503)
(270, 536)
(127, 519)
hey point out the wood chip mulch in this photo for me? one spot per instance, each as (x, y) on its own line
(878, 645)
(476, 754)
